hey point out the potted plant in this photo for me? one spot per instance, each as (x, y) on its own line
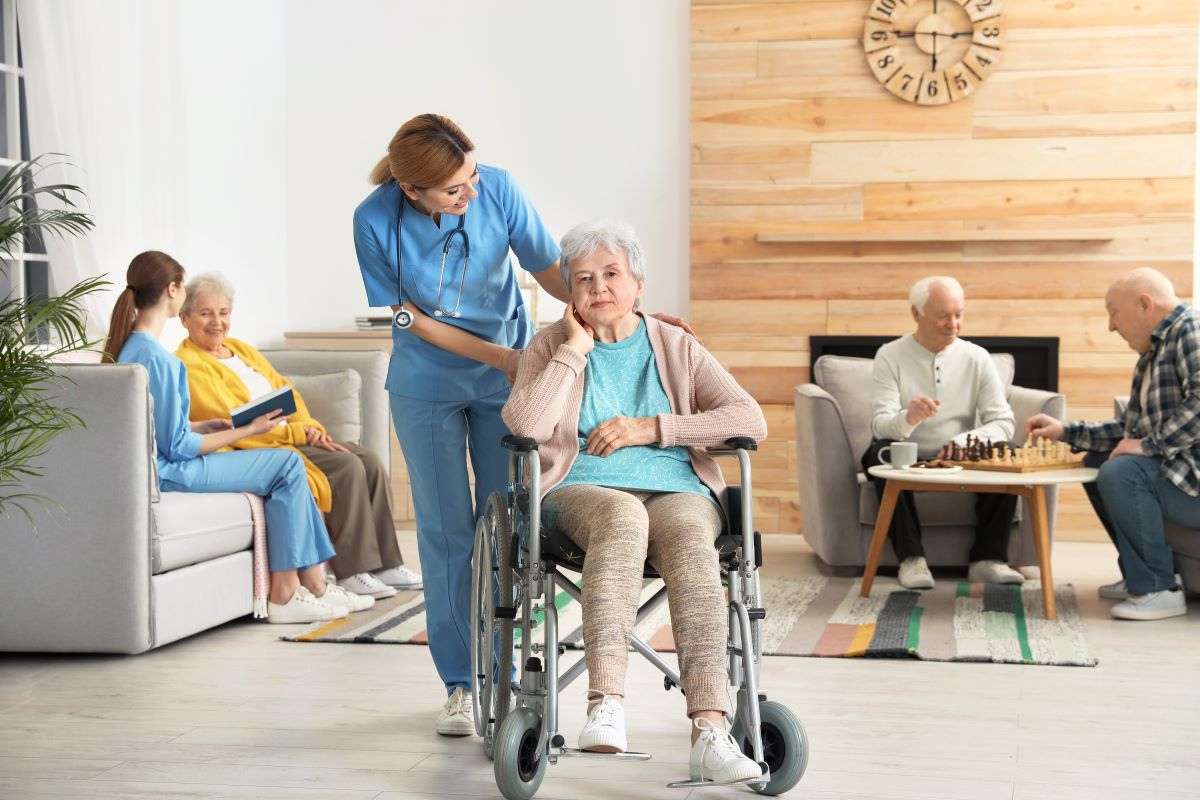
(29, 420)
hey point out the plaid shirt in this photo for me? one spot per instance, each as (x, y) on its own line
(1169, 425)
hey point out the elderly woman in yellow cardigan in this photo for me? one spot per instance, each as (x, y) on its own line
(348, 481)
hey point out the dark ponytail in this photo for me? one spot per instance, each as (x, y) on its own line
(148, 277)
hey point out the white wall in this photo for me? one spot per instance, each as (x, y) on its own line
(584, 102)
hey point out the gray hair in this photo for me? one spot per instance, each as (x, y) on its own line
(602, 234)
(206, 283)
(918, 295)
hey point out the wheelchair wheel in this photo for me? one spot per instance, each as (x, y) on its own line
(519, 766)
(785, 746)
(491, 639)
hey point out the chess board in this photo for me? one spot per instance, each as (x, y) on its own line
(986, 466)
(1040, 456)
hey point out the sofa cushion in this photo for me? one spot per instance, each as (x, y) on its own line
(848, 380)
(332, 400)
(933, 508)
(190, 527)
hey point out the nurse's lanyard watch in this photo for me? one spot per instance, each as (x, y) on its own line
(403, 318)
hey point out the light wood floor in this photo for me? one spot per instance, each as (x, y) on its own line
(234, 713)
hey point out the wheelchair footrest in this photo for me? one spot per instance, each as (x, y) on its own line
(763, 780)
(571, 752)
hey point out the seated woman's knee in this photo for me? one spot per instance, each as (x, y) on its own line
(620, 507)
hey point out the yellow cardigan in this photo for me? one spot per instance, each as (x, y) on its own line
(216, 390)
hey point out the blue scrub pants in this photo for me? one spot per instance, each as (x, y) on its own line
(1132, 499)
(435, 437)
(296, 534)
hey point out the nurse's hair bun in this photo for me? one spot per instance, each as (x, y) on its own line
(425, 152)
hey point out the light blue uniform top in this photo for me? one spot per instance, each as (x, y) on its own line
(177, 446)
(623, 381)
(492, 308)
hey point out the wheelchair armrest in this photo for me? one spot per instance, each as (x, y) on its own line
(519, 444)
(736, 443)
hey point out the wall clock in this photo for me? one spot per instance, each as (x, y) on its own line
(933, 52)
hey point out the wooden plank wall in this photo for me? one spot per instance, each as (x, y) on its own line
(1087, 125)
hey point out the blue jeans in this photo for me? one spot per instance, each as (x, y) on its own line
(436, 437)
(1132, 499)
(296, 534)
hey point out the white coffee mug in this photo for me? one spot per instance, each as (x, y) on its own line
(899, 454)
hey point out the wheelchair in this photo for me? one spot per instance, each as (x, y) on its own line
(516, 574)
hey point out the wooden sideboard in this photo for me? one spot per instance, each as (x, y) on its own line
(348, 339)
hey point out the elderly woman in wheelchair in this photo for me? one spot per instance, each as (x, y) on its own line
(622, 408)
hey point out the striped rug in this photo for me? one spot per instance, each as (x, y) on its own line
(819, 616)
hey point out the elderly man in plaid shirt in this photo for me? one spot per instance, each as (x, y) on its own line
(1149, 460)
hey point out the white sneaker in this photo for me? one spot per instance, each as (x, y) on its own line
(303, 607)
(338, 597)
(993, 572)
(1156, 605)
(1113, 591)
(717, 758)
(400, 577)
(915, 574)
(365, 583)
(604, 731)
(457, 717)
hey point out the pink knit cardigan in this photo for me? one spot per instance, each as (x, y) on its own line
(707, 404)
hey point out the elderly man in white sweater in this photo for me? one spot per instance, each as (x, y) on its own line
(932, 388)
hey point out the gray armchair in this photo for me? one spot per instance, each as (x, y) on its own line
(1185, 542)
(838, 505)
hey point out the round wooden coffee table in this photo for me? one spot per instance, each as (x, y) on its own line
(1030, 485)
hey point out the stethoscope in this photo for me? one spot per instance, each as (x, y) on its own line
(403, 318)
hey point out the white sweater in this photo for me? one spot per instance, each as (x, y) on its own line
(962, 377)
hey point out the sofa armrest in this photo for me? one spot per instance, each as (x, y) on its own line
(1120, 403)
(1028, 402)
(827, 471)
(77, 577)
(371, 366)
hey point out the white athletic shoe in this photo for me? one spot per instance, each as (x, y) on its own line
(338, 597)
(365, 583)
(1113, 591)
(993, 572)
(303, 607)
(604, 731)
(717, 758)
(915, 574)
(457, 718)
(400, 577)
(1156, 605)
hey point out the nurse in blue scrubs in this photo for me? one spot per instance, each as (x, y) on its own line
(450, 224)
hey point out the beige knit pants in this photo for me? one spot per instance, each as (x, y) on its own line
(620, 529)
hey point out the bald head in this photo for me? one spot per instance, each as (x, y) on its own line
(1136, 303)
(1148, 282)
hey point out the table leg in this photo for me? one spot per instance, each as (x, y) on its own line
(887, 507)
(1041, 540)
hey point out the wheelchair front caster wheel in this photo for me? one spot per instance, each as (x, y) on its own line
(785, 747)
(519, 764)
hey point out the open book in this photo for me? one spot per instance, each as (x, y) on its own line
(281, 398)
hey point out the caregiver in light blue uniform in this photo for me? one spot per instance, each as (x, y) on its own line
(450, 371)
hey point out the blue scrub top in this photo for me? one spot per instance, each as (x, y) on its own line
(177, 446)
(492, 307)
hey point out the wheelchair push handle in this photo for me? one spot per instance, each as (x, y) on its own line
(519, 444)
(735, 443)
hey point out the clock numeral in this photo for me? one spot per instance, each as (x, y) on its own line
(931, 88)
(905, 81)
(886, 61)
(879, 36)
(887, 8)
(979, 10)
(991, 32)
(961, 83)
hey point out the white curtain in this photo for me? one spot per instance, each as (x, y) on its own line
(103, 84)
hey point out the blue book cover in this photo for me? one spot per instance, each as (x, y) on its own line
(281, 399)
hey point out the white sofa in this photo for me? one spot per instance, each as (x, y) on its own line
(114, 565)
